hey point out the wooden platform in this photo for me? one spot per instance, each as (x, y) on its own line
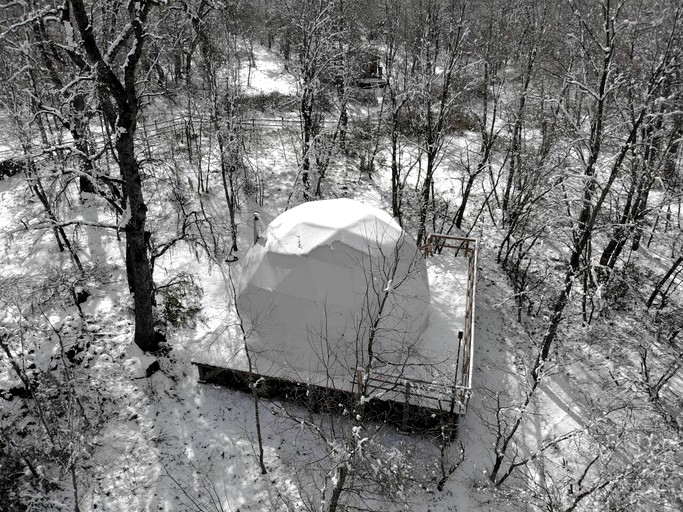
(400, 412)
(417, 398)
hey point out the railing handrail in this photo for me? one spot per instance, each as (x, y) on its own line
(466, 244)
(417, 387)
(435, 243)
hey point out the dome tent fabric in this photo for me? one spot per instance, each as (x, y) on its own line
(321, 279)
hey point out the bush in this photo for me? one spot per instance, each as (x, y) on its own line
(181, 300)
(461, 121)
(409, 122)
(12, 474)
(364, 97)
(411, 119)
(270, 102)
(12, 166)
(624, 288)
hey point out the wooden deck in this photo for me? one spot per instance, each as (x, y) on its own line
(402, 410)
(419, 402)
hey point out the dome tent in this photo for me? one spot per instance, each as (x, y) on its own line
(322, 278)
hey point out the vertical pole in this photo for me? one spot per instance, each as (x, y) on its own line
(256, 229)
(455, 377)
(359, 380)
(202, 374)
(312, 399)
(188, 139)
(406, 407)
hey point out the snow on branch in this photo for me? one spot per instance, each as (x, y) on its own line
(47, 224)
(118, 43)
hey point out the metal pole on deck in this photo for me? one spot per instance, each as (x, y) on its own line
(457, 367)
(256, 229)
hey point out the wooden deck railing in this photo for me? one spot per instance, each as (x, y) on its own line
(437, 242)
(437, 395)
(462, 247)
(449, 395)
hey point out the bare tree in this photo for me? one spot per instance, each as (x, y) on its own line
(437, 57)
(314, 29)
(121, 102)
(377, 345)
(598, 181)
(53, 391)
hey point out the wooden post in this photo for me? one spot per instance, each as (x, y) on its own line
(453, 423)
(202, 373)
(406, 408)
(312, 401)
(359, 380)
(188, 141)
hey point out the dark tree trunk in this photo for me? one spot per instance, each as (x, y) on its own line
(342, 473)
(119, 96)
(663, 280)
(308, 135)
(77, 123)
(229, 168)
(460, 214)
(425, 194)
(137, 258)
(396, 187)
(516, 143)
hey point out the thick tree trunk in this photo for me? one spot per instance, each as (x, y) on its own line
(460, 214)
(396, 188)
(229, 167)
(425, 194)
(663, 280)
(308, 135)
(123, 117)
(516, 143)
(342, 473)
(137, 258)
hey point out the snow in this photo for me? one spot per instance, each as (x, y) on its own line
(137, 362)
(317, 223)
(166, 434)
(267, 76)
(125, 218)
(168, 443)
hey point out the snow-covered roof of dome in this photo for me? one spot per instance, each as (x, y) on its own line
(316, 223)
(320, 272)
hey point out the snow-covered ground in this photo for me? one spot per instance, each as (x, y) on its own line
(268, 76)
(165, 438)
(166, 442)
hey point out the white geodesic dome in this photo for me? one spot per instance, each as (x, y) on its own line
(325, 278)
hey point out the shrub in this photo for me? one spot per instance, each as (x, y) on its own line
(12, 166)
(623, 290)
(269, 102)
(11, 479)
(181, 300)
(461, 121)
(409, 122)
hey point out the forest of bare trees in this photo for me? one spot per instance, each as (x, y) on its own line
(550, 129)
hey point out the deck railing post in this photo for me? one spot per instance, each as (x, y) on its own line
(406, 408)
(360, 374)
(202, 373)
(313, 401)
